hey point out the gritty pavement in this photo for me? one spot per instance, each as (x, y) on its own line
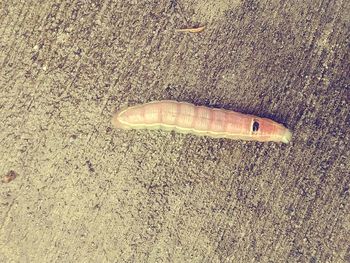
(76, 190)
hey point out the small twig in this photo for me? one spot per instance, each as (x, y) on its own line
(191, 30)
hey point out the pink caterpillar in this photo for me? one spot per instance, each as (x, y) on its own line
(199, 120)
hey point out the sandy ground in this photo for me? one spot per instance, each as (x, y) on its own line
(86, 192)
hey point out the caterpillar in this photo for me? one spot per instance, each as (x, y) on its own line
(186, 118)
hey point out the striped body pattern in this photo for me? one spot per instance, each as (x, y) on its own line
(199, 120)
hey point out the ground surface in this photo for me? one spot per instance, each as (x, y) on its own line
(85, 192)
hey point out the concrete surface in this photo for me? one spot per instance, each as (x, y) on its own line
(85, 192)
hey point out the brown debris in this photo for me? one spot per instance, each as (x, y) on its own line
(11, 175)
